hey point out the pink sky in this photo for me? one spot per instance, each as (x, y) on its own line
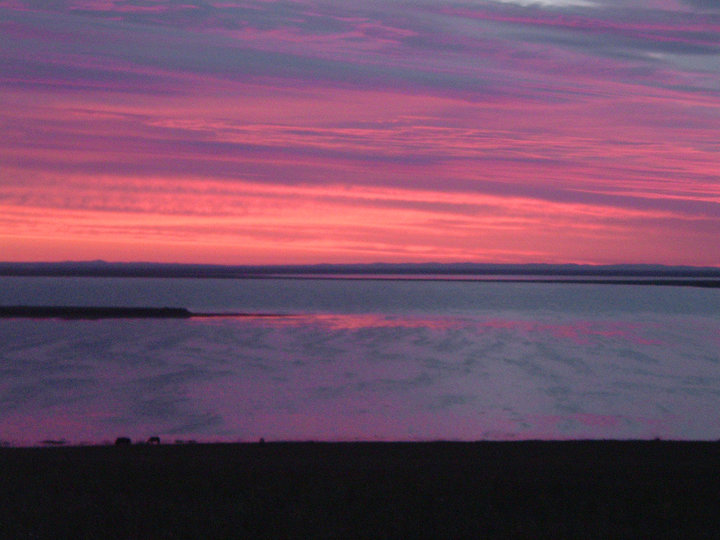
(259, 132)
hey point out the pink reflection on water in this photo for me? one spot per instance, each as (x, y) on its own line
(287, 381)
(342, 321)
(355, 322)
(599, 420)
(580, 426)
(581, 332)
(33, 427)
(336, 424)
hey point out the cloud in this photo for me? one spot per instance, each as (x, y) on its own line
(607, 110)
(361, 47)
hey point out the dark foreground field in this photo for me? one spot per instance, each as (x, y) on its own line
(373, 490)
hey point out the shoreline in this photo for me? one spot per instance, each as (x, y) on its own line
(155, 441)
(531, 489)
(580, 279)
(93, 312)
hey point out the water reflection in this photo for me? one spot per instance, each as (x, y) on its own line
(579, 331)
(363, 376)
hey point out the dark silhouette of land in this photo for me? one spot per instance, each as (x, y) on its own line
(630, 274)
(95, 312)
(575, 489)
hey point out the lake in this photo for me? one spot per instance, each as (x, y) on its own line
(370, 359)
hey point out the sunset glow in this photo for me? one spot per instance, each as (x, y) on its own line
(313, 131)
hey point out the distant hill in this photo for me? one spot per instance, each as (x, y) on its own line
(166, 270)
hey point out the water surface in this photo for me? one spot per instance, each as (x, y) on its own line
(362, 360)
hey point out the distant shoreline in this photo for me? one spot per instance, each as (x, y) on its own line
(700, 281)
(425, 445)
(461, 278)
(361, 271)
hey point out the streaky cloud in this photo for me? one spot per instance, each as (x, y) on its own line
(409, 128)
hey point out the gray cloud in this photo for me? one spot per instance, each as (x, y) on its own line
(418, 45)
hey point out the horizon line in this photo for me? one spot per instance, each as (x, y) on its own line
(362, 264)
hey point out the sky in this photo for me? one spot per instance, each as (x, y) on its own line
(310, 131)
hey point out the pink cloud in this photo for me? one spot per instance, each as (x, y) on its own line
(499, 132)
